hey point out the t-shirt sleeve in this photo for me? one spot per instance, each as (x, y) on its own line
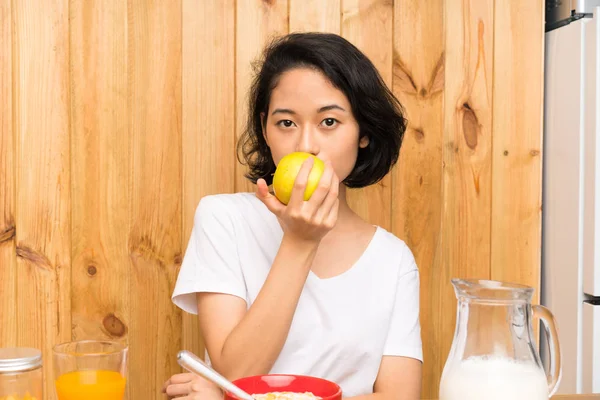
(404, 335)
(211, 262)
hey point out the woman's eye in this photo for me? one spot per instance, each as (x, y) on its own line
(286, 123)
(330, 122)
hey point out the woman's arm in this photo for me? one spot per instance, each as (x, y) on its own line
(242, 343)
(399, 378)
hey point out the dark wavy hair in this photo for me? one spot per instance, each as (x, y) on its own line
(378, 113)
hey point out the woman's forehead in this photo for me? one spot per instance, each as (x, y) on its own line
(306, 89)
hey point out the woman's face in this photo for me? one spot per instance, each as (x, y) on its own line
(307, 113)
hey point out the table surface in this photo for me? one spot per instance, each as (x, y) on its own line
(575, 397)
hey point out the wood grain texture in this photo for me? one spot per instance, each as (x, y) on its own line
(468, 137)
(315, 16)
(418, 82)
(517, 142)
(43, 225)
(368, 25)
(155, 249)
(467, 158)
(257, 23)
(208, 110)
(101, 154)
(100, 167)
(8, 262)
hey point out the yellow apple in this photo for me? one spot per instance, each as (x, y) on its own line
(287, 170)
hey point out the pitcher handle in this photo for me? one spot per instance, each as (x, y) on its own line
(549, 324)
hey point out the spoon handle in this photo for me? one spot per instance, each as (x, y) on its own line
(192, 363)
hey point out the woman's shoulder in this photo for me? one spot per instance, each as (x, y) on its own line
(231, 206)
(227, 201)
(394, 248)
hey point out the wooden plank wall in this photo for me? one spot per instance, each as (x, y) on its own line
(8, 254)
(118, 116)
(417, 207)
(41, 105)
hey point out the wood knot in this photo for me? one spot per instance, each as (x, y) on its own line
(143, 247)
(476, 182)
(534, 153)
(419, 134)
(91, 270)
(178, 259)
(402, 77)
(505, 152)
(34, 257)
(436, 83)
(8, 234)
(114, 326)
(470, 126)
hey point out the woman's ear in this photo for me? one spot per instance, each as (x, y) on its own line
(263, 129)
(364, 142)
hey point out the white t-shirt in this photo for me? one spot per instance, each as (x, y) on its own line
(342, 325)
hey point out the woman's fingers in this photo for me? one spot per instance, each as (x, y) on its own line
(177, 379)
(330, 201)
(180, 389)
(297, 198)
(323, 188)
(270, 201)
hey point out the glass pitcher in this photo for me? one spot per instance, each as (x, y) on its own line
(494, 354)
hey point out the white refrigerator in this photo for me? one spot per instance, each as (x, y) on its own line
(571, 188)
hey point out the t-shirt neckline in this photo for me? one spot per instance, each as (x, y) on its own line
(360, 261)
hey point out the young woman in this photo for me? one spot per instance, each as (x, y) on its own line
(307, 288)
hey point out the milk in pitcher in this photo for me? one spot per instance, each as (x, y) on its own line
(493, 378)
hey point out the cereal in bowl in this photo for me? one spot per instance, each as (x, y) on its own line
(286, 396)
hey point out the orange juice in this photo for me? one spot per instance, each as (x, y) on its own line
(90, 385)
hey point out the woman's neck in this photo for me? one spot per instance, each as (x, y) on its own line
(345, 213)
(349, 224)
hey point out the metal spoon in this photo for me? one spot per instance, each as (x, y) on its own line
(192, 363)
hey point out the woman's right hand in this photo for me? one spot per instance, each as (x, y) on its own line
(188, 386)
(306, 220)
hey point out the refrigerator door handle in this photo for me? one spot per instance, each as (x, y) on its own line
(591, 211)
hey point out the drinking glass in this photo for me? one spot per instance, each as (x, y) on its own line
(90, 370)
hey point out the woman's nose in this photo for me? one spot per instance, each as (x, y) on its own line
(308, 142)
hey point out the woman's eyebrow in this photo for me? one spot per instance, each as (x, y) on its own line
(283, 111)
(330, 107)
(320, 110)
